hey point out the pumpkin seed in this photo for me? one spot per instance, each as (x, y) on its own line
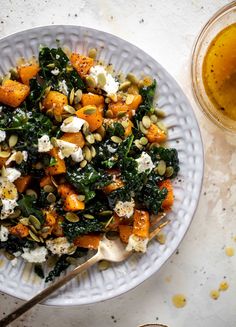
(161, 167)
(31, 192)
(169, 171)
(8, 256)
(125, 123)
(138, 144)
(142, 128)
(15, 214)
(103, 265)
(13, 139)
(129, 99)
(45, 229)
(24, 221)
(101, 80)
(68, 120)
(90, 110)
(72, 96)
(40, 106)
(97, 137)
(87, 153)
(101, 130)
(154, 145)
(83, 163)
(116, 139)
(143, 140)
(52, 65)
(72, 217)
(93, 151)
(33, 229)
(34, 220)
(90, 81)
(69, 109)
(58, 118)
(54, 182)
(109, 114)
(48, 189)
(4, 154)
(69, 68)
(162, 127)
(88, 216)
(161, 238)
(90, 138)
(110, 221)
(132, 78)
(14, 74)
(51, 198)
(124, 86)
(160, 113)
(19, 157)
(140, 84)
(146, 122)
(81, 197)
(6, 78)
(49, 113)
(113, 97)
(121, 114)
(105, 213)
(92, 53)
(154, 118)
(47, 90)
(78, 96)
(33, 236)
(85, 128)
(41, 239)
(39, 165)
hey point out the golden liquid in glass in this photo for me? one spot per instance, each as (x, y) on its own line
(219, 71)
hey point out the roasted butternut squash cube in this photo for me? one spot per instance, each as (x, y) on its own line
(26, 73)
(75, 138)
(59, 167)
(13, 93)
(92, 115)
(81, 64)
(56, 101)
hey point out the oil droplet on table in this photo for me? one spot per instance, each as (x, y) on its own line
(179, 300)
(223, 286)
(214, 294)
(229, 251)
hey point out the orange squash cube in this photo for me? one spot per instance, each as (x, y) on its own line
(81, 64)
(13, 93)
(26, 73)
(56, 101)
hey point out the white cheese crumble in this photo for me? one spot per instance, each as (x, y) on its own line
(63, 87)
(59, 245)
(57, 56)
(2, 136)
(36, 255)
(124, 209)
(25, 155)
(3, 233)
(67, 149)
(8, 207)
(12, 174)
(44, 144)
(77, 156)
(111, 86)
(144, 163)
(14, 155)
(137, 243)
(72, 126)
(55, 71)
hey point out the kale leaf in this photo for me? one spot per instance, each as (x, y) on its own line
(39, 270)
(116, 129)
(169, 155)
(146, 106)
(15, 244)
(84, 226)
(27, 205)
(61, 265)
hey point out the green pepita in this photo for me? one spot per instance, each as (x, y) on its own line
(45, 229)
(88, 216)
(33, 229)
(129, 99)
(124, 86)
(143, 140)
(154, 145)
(47, 90)
(112, 235)
(101, 130)
(153, 118)
(109, 114)
(51, 198)
(31, 192)
(81, 197)
(103, 265)
(97, 137)
(85, 128)
(116, 139)
(142, 128)
(87, 153)
(58, 118)
(113, 97)
(106, 213)
(69, 109)
(35, 222)
(6, 78)
(93, 151)
(4, 154)
(33, 236)
(90, 110)
(90, 138)
(15, 214)
(121, 114)
(92, 53)
(72, 95)
(146, 122)
(132, 78)
(49, 188)
(78, 96)
(101, 80)
(138, 144)
(90, 81)
(169, 171)
(162, 127)
(24, 221)
(125, 123)
(72, 217)
(83, 163)
(52, 65)
(14, 74)
(8, 256)
(161, 167)
(13, 139)
(160, 113)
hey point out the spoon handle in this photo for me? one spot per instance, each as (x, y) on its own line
(49, 290)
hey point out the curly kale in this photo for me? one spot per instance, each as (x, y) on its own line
(170, 156)
(28, 206)
(116, 129)
(146, 106)
(15, 244)
(84, 226)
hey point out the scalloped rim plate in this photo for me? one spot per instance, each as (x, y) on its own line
(184, 135)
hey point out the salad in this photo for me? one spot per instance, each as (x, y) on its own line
(82, 152)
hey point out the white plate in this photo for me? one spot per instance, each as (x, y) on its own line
(184, 135)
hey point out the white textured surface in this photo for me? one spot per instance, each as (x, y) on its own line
(167, 33)
(184, 135)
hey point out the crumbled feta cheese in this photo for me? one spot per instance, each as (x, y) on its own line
(73, 125)
(8, 207)
(14, 262)
(137, 243)
(124, 209)
(44, 144)
(25, 155)
(111, 86)
(3, 233)
(17, 254)
(57, 56)
(77, 156)
(59, 245)
(2, 136)
(111, 149)
(144, 163)
(12, 174)
(63, 87)
(14, 155)
(36, 255)
(1, 109)
(55, 71)
(66, 148)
